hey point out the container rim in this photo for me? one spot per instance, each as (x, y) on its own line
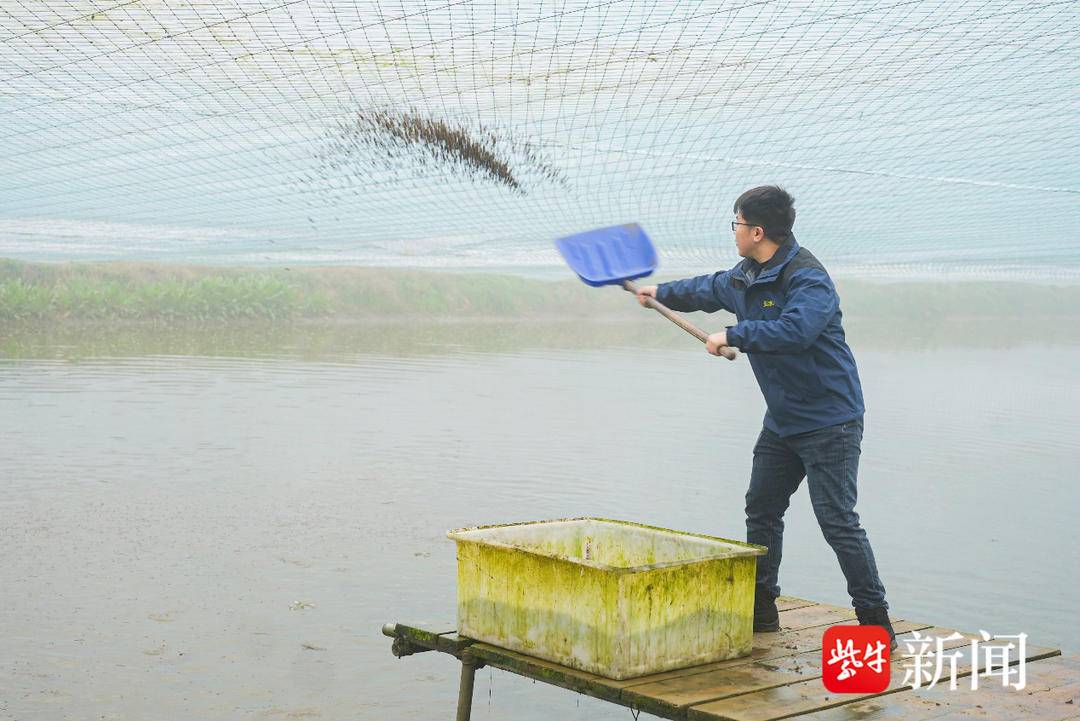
(746, 549)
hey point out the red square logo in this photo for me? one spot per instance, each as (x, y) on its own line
(855, 659)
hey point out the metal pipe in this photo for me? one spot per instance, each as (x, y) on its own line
(465, 690)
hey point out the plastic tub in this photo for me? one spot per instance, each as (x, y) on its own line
(613, 598)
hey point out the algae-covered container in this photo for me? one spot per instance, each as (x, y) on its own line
(613, 598)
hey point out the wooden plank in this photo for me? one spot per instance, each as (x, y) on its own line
(996, 705)
(446, 641)
(548, 672)
(422, 631)
(816, 615)
(787, 603)
(809, 695)
(626, 692)
(781, 679)
(773, 703)
(1052, 694)
(671, 696)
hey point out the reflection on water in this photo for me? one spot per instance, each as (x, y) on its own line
(216, 524)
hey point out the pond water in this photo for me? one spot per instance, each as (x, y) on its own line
(216, 526)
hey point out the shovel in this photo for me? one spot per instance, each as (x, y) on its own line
(618, 255)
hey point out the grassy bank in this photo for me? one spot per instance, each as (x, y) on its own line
(37, 294)
(166, 294)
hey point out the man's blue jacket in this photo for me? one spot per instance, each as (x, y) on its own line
(789, 327)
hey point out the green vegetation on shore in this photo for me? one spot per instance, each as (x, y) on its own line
(167, 294)
(37, 294)
(212, 298)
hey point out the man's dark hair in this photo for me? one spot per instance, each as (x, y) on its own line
(769, 206)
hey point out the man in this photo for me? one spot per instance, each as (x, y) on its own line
(789, 325)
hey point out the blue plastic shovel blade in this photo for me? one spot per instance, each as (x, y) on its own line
(606, 256)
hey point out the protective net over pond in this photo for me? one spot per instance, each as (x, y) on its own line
(917, 137)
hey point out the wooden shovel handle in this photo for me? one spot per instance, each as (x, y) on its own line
(727, 351)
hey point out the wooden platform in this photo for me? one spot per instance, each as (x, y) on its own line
(782, 677)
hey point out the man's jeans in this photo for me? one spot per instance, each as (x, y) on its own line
(829, 459)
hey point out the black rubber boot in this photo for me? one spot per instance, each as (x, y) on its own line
(877, 617)
(766, 617)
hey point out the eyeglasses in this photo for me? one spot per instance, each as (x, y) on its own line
(748, 225)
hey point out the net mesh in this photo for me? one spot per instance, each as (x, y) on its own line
(916, 136)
